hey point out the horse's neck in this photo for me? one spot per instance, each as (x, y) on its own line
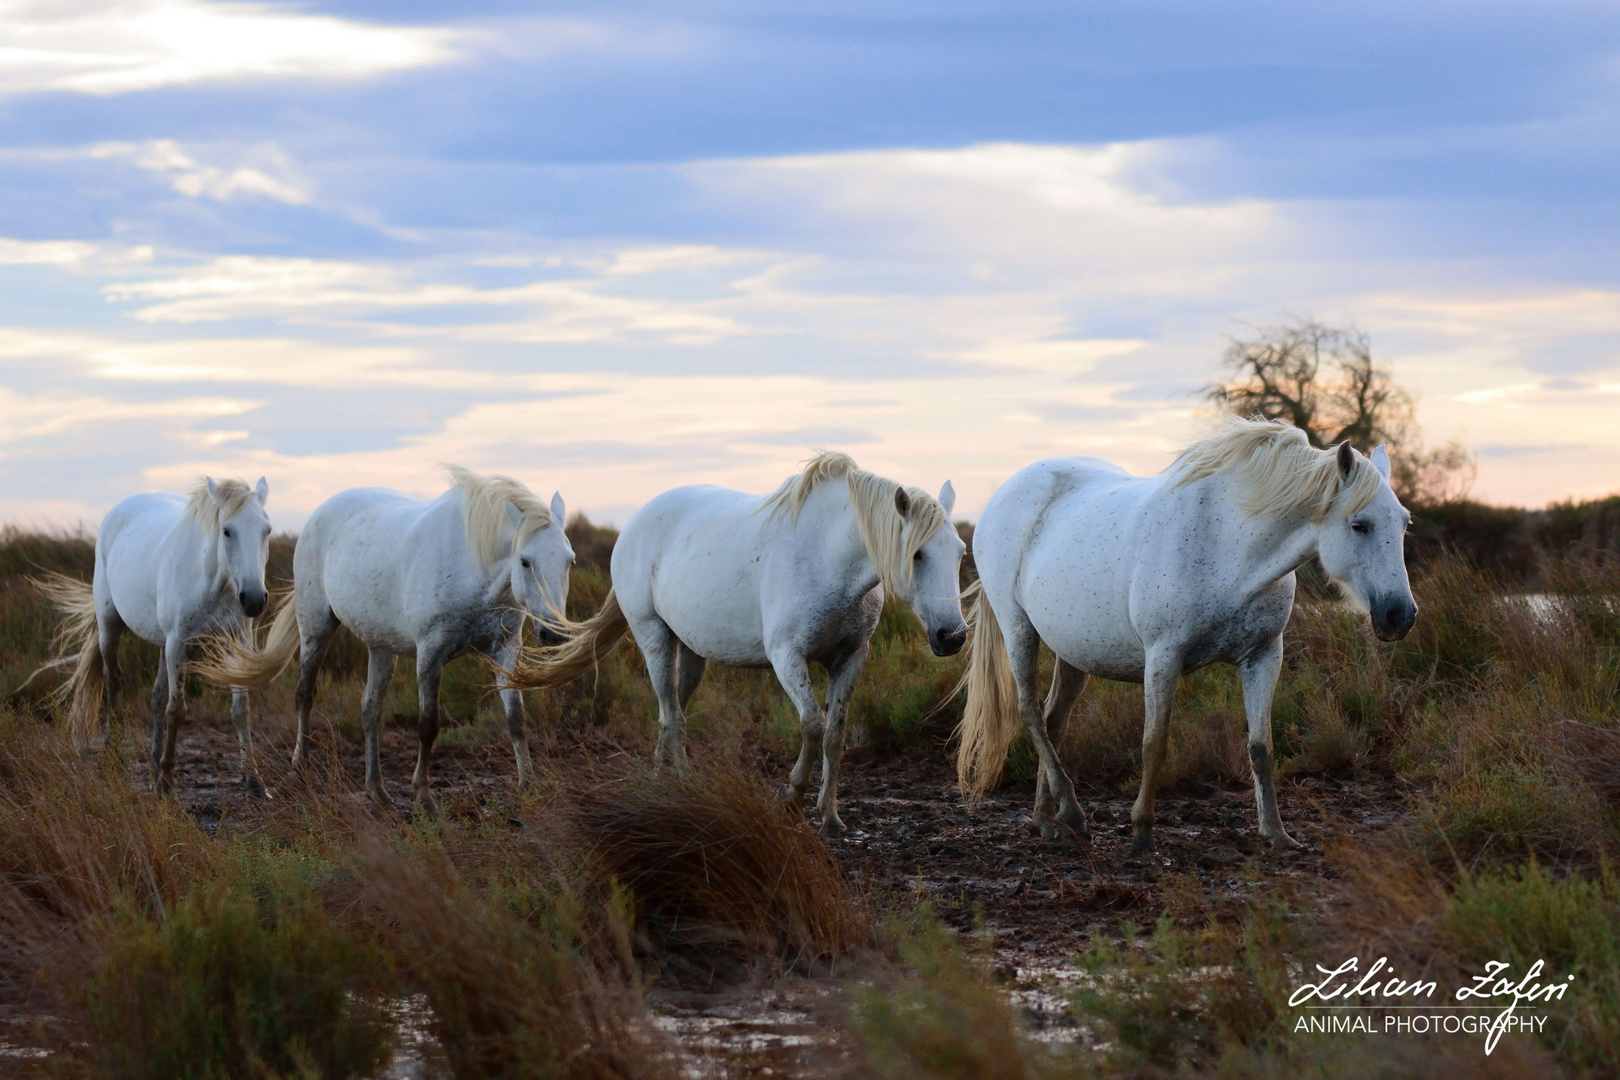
(201, 548)
(829, 515)
(1272, 545)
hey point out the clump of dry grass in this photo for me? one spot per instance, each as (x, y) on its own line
(714, 858)
(507, 996)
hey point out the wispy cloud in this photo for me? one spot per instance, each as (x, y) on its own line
(116, 46)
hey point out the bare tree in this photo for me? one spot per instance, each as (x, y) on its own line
(1323, 380)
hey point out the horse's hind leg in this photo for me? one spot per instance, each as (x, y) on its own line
(160, 689)
(166, 725)
(1067, 823)
(659, 646)
(1259, 674)
(430, 661)
(1067, 682)
(109, 632)
(312, 643)
(841, 679)
(379, 669)
(242, 720)
(689, 668)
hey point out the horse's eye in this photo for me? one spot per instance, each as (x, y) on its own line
(917, 557)
(1360, 527)
(524, 563)
(227, 534)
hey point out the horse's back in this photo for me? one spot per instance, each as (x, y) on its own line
(690, 557)
(1059, 540)
(375, 556)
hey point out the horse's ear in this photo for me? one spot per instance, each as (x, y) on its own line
(1380, 460)
(261, 490)
(559, 512)
(1347, 460)
(902, 501)
(513, 513)
(947, 498)
(213, 490)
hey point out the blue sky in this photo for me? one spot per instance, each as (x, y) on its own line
(617, 247)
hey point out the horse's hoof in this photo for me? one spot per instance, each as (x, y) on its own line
(1282, 842)
(1142, 846)
(832, 828)
(256, 789)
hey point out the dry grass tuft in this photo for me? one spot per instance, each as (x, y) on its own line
(509, 996)
(716, 859)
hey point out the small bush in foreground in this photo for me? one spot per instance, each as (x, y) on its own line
(943, 1019)
(226, 986)
(508, 999)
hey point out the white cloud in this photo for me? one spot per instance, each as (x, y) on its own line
(29, 416)
(118, 46)
(268, 171)
(72, 254)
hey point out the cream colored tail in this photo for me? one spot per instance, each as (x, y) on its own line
(76, 602)
(990, 720)
(228, 660)
(588, 644)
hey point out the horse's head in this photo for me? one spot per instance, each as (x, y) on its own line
(1366, 550)
(244, 542)
(936, 579)
(539, 572)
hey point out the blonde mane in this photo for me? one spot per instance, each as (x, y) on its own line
(486, 498)
(205, 509)
(1278, 470)
(889, 544)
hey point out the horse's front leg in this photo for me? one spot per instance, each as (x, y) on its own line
(431, 657)
(166, 726)
(512, 700)
(841, 681)
(1259, 674)
(242, 720)
(1158, 693)
(794, 674)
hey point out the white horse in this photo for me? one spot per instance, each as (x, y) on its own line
(411, 577)
(173, 570)
(705, 573)
(1145, 580)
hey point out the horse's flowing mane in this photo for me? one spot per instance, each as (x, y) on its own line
(1278, 470)
(486, 498)
(891, 546)
(205, 509)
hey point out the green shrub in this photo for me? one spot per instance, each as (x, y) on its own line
(229, 985)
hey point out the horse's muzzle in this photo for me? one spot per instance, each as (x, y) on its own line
(948, 642)
(1394, 620)
(253, 603)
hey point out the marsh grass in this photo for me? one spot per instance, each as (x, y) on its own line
(714, 861)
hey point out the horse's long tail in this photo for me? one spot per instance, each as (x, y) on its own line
(588, 644)
(990, 720)
(228, 660)
(77, 644)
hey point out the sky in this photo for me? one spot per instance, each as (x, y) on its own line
(616, 247)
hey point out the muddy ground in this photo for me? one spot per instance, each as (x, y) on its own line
(1030, 904)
